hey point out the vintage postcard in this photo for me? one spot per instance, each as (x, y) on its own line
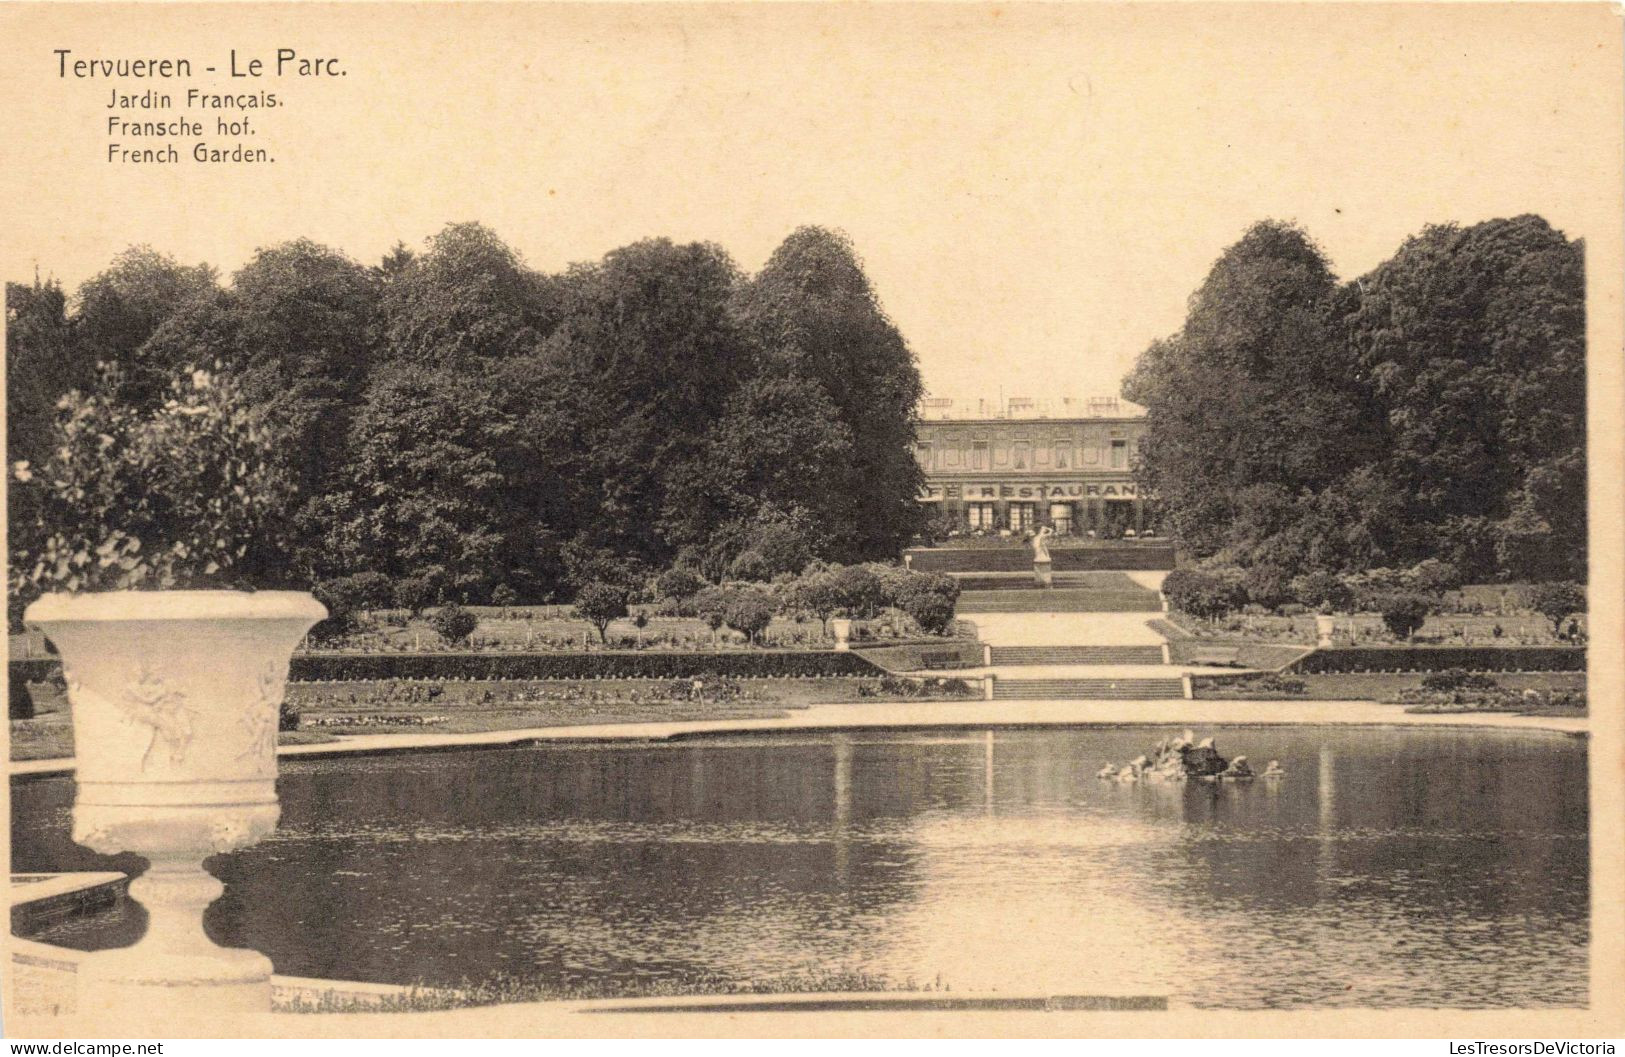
(634, 520)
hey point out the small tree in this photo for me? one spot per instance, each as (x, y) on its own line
(414, 594)
(454, 623)
(749, 612)
(640, 620)
(343, 598)
(1403, 611)
(504, 595)
(372, 590)
(930, 599)
(1556, 600)
(859, 590)
(599, 603)
(817, 591)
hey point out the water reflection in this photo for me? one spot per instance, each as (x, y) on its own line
(1400, 867)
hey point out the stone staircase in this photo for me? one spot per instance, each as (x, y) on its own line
(1127, 689)
(1064, 655)
(1059, 600)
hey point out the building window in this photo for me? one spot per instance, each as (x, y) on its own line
(1119, 454)
(980, 515)
(978, 455)
(1063, 455)
(1022, 516)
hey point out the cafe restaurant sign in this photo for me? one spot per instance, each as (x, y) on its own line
(978, 493)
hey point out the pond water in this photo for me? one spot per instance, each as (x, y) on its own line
(1391, 867)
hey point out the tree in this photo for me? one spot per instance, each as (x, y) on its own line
(1474, 341)
(859, 590)
(124, 306)
(1403, 612)
(454, 624)
(749, 611)
(818, 590)
(930, 599)
(43, 361)
(816, 318)
(414, 594)
(639, 368)
(467, 299)
(1557, 601)
(425, 498)
(1252, 408)
(599, 604)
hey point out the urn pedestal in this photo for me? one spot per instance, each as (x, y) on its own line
(175, 698)
(842, 628)
(1044, 573)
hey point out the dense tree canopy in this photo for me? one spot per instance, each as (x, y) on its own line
(459, 423)
(1434, 407)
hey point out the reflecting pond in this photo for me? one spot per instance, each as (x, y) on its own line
(1391, 867)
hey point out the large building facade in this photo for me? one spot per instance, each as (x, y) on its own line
(1017, 463)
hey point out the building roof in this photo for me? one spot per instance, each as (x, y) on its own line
(948, 409)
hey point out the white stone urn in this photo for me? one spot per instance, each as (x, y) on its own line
(843, 632)
(175, 698)
(1325, 624)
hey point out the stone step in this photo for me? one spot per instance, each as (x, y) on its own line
(1058, 655)
(1025, 581)
(1087, 689)
(1059, 600)
(1153, 557)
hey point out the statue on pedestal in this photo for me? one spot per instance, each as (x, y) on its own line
(1041, 546)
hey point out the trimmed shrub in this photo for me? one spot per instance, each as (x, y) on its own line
(342, 599)
(414, 593)
(1443, 658)
(1557, 601)
(1201, 594)
(454, 624)
(1402, 611)
(858, 590)
(929, 599)
(504, 595)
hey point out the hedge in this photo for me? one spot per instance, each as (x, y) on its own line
(630, 664)
(1439, 658)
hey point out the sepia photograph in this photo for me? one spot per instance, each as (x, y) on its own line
(885, 520)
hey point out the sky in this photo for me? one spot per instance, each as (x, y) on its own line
(1035, 190)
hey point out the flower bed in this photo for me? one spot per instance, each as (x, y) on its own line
(755, 664)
